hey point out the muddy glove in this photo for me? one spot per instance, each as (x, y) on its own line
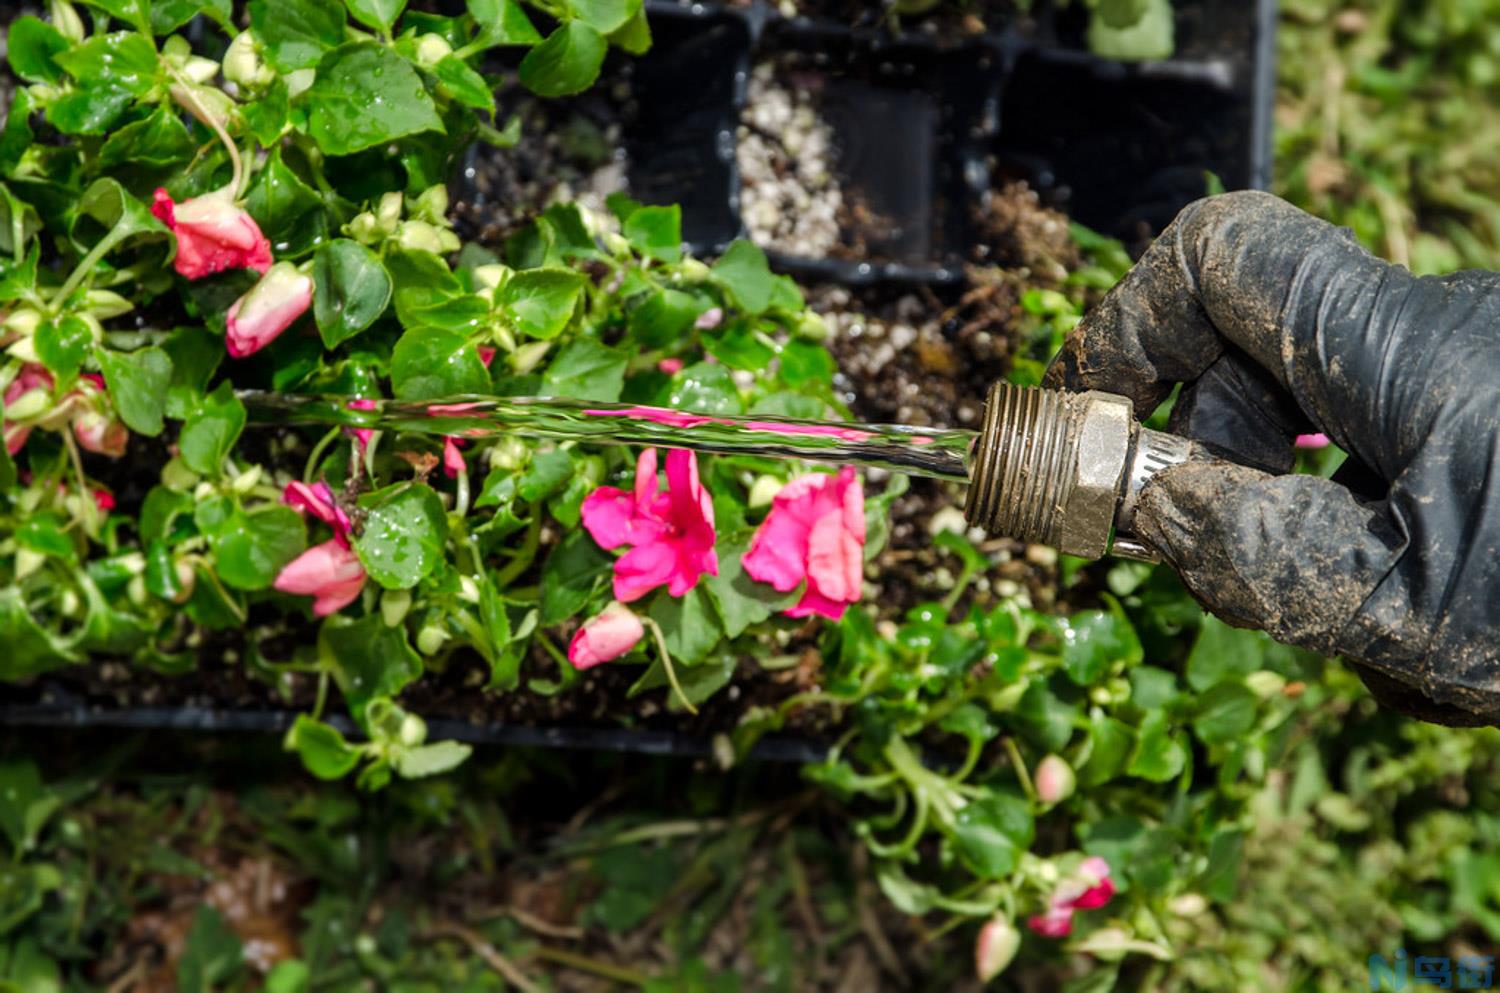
(1280, 324)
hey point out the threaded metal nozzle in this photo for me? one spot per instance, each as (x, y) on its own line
(1051, 467)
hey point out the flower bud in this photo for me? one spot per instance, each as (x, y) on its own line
(764, 490)
(22, 322)
(432, 49)
(210, 105)
(69, 604)
(65, 19)
(509, 453)
(299, 81)
(995, 947)
(365, 229)
(389, 211)
(488, 278)
(394, 605)
(432, 205)
(29, 405)
(203, 491)
(419, 236)
(529, 356)
(1264, 683)
(812, 327)
(104, 304)
(28, 562)
(468, 589)
(430, 639)
(616, 244)
(413, 731)
(270, 306)
(1055, 780)
(247, 480)
(101, 434)
(187, 579)
(197, 69)
(137, 592)
(25, 350)
(243, 64)
(692, 272)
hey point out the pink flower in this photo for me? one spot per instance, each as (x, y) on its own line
(994, 948)
(672, 533)
(814, 532)
(1088, 889)
(453, 459)
(330, 572)
(362, 436)
(1312, 441)
(101, 434)
(709, 319)
(670, 366)
(319, 501)
(34, 383)
(1055, 780)
(212, 235)
(104, 500)
(267, 309)
(486, 354)
(605, 637)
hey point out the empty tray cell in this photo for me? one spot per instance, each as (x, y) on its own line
(1122, 148)
(689, 89)
(857, 158)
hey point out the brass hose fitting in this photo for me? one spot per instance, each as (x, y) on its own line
(1065, 469)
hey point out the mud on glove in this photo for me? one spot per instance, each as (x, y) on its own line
(1279, 324)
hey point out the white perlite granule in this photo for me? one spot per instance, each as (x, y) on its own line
(790, 198)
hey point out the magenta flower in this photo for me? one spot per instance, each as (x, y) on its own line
(1090, 888)
(212, 235)
(671, 533)
(605, 637)
(267, 309)
(1312, 441)
(670, 366)
(453, 459)
(330, 572)
(814, 532)
(362, 436)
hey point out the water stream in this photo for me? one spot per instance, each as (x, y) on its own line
(940, 453)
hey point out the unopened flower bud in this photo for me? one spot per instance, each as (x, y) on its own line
(65, 19)
(365, 229)
(69, 604)
(197, 69)
(137, 592)
(243, 64)
(187, 579)
(389, 211)
(430, 639)
(432, 49)
(812, 327)
(101, 434)
(995, 947)
(413, 731)
(432, 205)
(247, 480)
(394, 605)
(28, 562)
(104, 304)
(269, 307)
(203, 491)
(616, 244)
(22, 322)
(764, 490)
(208, 104)
(1264, 683)
(528, 356)
(692, 272)
(419, 236)
(468, 589)
(299, 81)
(488, 278)
(29, 405)
(509, 453)
(1055, 780)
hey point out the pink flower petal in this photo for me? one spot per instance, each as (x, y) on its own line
(318, 500)
(778, 552)
(835, 560)
(330, 572)
(605, 637)
(453, 459)
(1053, 924)
(609, 515)
(813, 602)
(1312, 441)
(267, 309)
(670, 366)
(643, 569)
(212, 235)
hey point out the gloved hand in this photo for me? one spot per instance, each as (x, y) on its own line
(1279, 324)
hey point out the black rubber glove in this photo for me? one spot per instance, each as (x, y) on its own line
(1280, 324)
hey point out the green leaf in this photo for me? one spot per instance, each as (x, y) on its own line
(296, 33)
(370, 660)
(1158, 755)
(169, 15)
(210, 432)
(541, 301)
(194, 356)
(656, 231)
(323, 750)
(1224, 714)
(212, 956)
(251, 547)
(123, 60)
(43, 532)
(367, 95)
(586, 370)
(430, 760)
(404, 534)
(698, 682)
(464, 84)
(1111, 741)
(90, 109)
(31, 45)
(137, 383)
(156, 142)
(29, 648)
(569, 576)
(1093, 640)
(634, 36)
(990, 833)
(804, 362)
(567, 62)
(278, 199)
(738, 347)
(745, 275)
(378, 14)
(132, 12)
(1148, 36)
(545, 475)
(705, 388)
(62, 344)
(664, 318)
(25, 803)
(17, 218)
(351, 289)
(1222, 653)
(428, 364)
(687, 624)
(739, 600)
(604, 15)
(288, 976)
(502, 22)
(267, 117)
(108, 214)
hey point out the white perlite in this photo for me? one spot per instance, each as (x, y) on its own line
(790, 196)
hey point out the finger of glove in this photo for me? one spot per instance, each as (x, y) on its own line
(1295, 556)
(1354, 339)
(1238, 411)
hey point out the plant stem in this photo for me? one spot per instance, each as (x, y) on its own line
(237, 166)
(80, 271)
(666, 663)
(1020, 766)
(583, 963)
(317, 453)
(525, 555)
